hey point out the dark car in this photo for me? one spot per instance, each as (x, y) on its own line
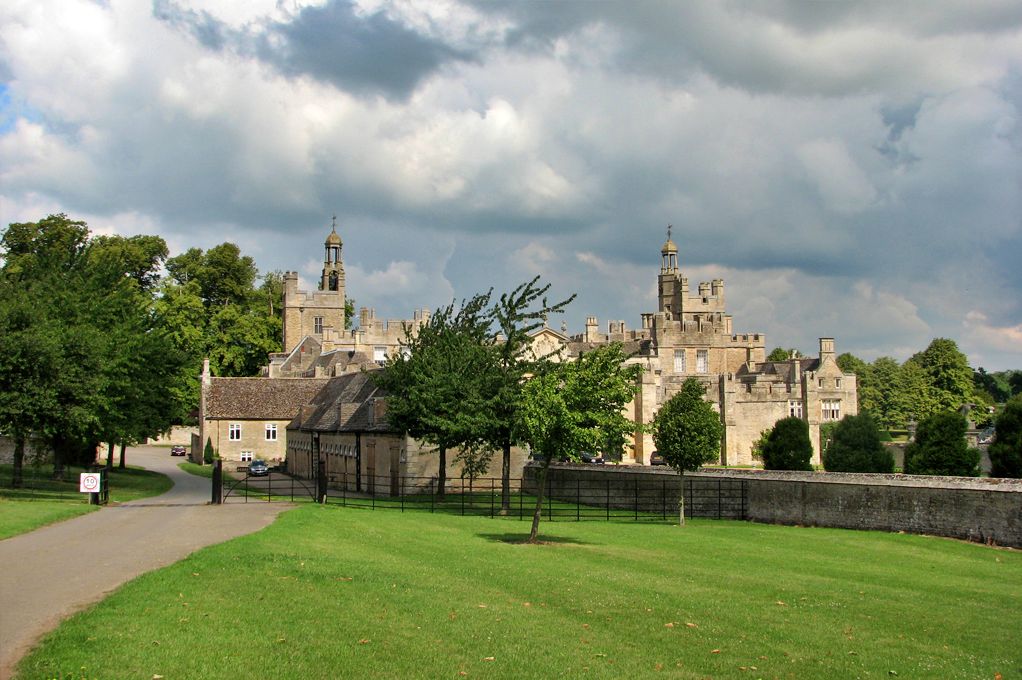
(257, 468)
(591, 459)
(177, 450)
(656, 459)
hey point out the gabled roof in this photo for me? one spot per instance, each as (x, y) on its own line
(345, 404)
(260, 398)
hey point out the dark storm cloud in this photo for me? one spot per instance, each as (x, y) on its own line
(332, 43)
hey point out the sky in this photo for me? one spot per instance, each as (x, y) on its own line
(850, 169)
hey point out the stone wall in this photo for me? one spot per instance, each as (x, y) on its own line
(974, 509)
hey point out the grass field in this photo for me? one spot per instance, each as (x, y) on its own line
(330, 592)
(47, 500)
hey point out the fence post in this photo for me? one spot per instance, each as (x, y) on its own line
(321, 482)
(218, 482)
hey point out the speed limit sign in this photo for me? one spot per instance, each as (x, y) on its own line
(89, 482)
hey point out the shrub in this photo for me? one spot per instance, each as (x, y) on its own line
(855, 447)
(1006, 451)
(207, 452)
(940, 448)
(788, 446)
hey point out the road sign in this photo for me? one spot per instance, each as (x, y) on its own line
(90, 482)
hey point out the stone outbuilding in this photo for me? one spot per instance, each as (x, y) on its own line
(345, 426)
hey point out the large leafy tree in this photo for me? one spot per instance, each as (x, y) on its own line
(516, 315)
(686, 429)
(940, 448)
(788, 446)
(1006, 451)
(439, 387)
(78, 332)
(576, 406)
(855, 446)
(948, 371)
(211, 308)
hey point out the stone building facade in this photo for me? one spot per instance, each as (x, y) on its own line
(692, 336)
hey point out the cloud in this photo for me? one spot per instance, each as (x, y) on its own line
(851, 169)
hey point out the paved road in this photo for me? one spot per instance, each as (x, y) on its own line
(55, 571)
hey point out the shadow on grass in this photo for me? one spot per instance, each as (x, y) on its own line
(522, 539)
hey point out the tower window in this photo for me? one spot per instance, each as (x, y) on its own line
(380, 355)
(701, 361)
(831, 409)
(317, 325)
(795, 408)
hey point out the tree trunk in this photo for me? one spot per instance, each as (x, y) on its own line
(122, 464)
(19, 462)
(505, 479)
(110, 455)
(541, 484)
(441, 477)
(681, 500)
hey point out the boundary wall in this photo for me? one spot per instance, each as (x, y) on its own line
(974, 509)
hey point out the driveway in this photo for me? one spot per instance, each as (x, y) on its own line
(55, 571)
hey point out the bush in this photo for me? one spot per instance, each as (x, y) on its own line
(207, 452)
(788, 446)
(1006, 451)
(855, 446)
(940, 448)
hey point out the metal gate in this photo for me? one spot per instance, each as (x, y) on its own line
(240, 486)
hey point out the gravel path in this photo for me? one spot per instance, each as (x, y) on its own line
(53, 572)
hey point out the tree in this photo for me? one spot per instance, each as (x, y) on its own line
(82, 360)
(940, 448)
(788, 446)
(207, 452)
(515, 315)
(439, 386)
(686, 429)
(949, 373)
(855, 446)
(572, 407)
(781, 354)
(1006, 451)
(995, 384)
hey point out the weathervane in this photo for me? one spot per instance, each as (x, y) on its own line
(669, 231)
(333, 227)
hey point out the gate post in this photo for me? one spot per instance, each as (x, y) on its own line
(218, 482)
(321, 482)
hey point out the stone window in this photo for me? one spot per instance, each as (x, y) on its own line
(380, 355)
(837, 382)
(795, 408)
(246, 456)
(701, 361)
(679, 361)
(234, 432)
(317, 325)
(271, 432)
(831, 409)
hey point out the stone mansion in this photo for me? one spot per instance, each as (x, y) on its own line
(689, 335)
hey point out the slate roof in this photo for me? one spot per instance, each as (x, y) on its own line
(345, 404)
(260, 398)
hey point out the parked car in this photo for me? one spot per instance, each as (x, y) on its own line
(591, 459)
(178, 450)
(257, 468)
(656, 459)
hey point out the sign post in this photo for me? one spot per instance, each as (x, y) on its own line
(91, 483)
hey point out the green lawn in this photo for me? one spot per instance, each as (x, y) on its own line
(48, 500)
(331, 592)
